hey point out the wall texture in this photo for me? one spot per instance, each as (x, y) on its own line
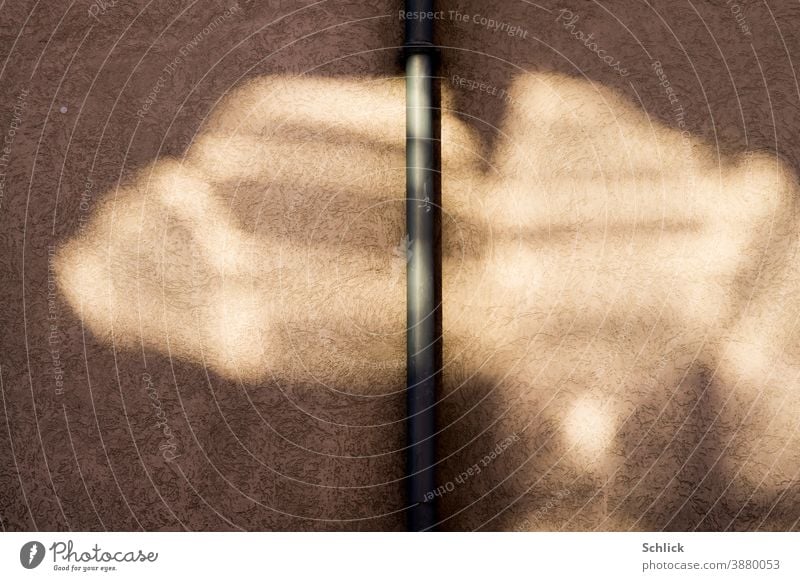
(203, 266)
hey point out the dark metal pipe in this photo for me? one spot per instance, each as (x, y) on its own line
(423, 222)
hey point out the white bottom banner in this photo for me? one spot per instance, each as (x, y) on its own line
(406, 556)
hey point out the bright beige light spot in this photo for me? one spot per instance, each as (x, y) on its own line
(235, 330)
(589, 430)
(84, 280)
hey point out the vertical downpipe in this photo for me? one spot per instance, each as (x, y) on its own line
(423, 219)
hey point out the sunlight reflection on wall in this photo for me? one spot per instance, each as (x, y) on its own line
(596, 239)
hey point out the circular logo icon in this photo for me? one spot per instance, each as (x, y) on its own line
(31, 554)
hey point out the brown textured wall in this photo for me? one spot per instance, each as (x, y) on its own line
(203, 292)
